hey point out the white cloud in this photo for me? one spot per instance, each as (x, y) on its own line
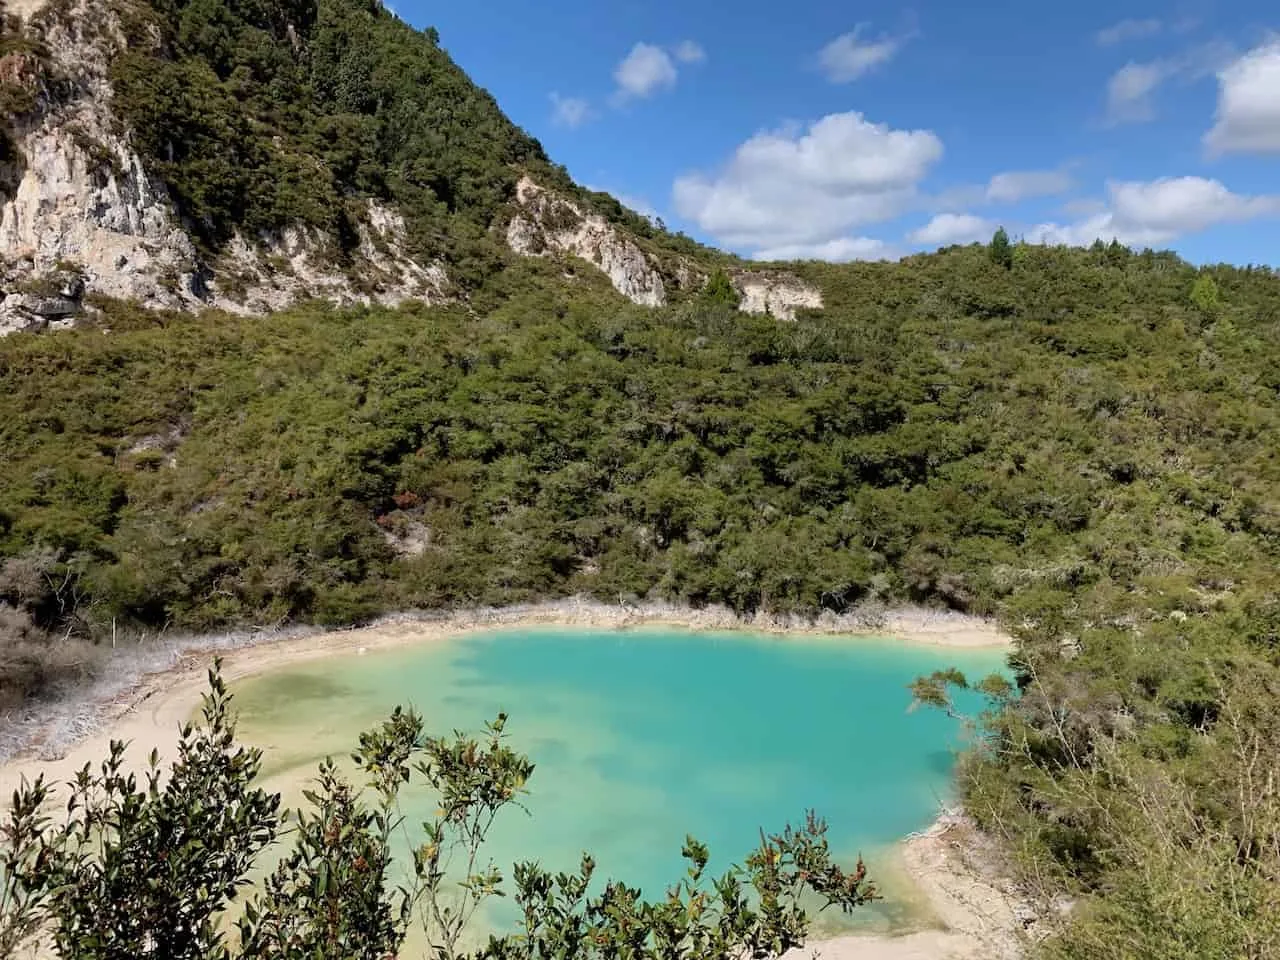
(949, 228)
(848, 56)
(569, 111)
(1015, 185)
(790, 188)
(1128, 30)
(1009, 187)
(1130, 88)
(687, 51)
(839, 250)
(1248, 115)
(1155, 212)
(644, 71)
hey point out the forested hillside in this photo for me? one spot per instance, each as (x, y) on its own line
(265, 115)
(1081, 443)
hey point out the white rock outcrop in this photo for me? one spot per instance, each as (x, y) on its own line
(779, 295)
(549, 223)
(86, 200)
(108, 218)
(546, 223)
(294, 264)
(84, 196)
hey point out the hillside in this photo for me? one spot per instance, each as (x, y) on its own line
(521, 390)
(249, 155)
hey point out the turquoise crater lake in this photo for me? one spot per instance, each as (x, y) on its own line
(641, 736)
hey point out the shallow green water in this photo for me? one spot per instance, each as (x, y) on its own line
(643, 736)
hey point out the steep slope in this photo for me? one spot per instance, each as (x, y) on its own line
(244, 155)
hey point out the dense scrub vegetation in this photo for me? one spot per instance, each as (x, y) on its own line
(1080, 441)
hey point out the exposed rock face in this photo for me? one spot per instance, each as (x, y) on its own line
(112, 220)
(82, 200)
(778, 295)
(550, 223)
(294, 264)
(23, 8)
(85, 198)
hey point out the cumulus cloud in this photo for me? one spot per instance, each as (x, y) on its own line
(949, 228)
(1151, 213)
(1128, 30)
(687, 51)
(849, 56)
(839, 250)
(1248, 115)
(644, 71)
(569, 111)
(648, 68)
(794, 188)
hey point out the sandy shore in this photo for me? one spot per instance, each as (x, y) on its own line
(976, 918)
(979, 913)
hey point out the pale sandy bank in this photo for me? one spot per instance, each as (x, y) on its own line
(977, 917)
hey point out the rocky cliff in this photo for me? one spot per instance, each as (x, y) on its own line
(84, 213)
(548, 223)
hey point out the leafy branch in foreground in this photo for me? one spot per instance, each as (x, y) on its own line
(938, 690)
(750, 911)
(145, 869)
(152, 871)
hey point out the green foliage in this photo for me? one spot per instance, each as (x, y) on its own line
(145, 870)
(23, 888)
(1000, 250)
(142, 873)
(938, 689)
(333, 895)
(1205, 296)
(561, 919)
(720, 290)
(269, 114)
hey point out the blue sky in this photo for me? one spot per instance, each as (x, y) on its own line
(864, 130)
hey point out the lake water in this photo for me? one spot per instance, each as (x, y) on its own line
(643, 736)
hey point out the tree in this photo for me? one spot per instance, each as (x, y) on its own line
(146, 870)
(938, 690)
(150, 872)
(1000, 250)
(1205, 296)
(720, 289)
